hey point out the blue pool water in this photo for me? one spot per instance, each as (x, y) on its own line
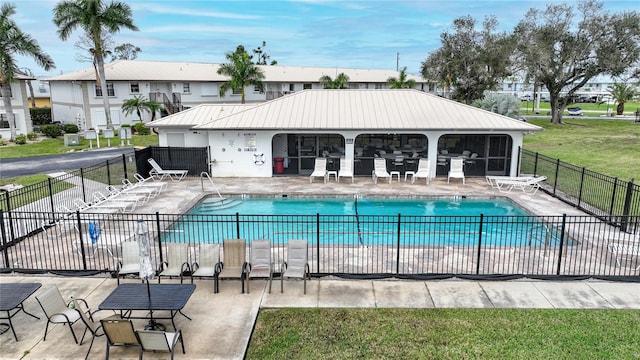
(372, 221)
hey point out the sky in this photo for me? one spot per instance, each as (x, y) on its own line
(365, 34)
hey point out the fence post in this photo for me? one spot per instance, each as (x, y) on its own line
(124, 166)
(6, 196)
(159, 239)
(624, 221)
(53, 209)
(479, 244)
(535, 165)
(555, 180)
(81, 234)
(564, 224)
(613, 199)
(5, 251)
(237, 225)
(108, 174)
(581, 186)
(318, 243)
(398, 247)
(84, 195)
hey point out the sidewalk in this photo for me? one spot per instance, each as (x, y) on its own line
(222, 323)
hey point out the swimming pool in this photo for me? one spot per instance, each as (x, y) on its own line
(369, 221)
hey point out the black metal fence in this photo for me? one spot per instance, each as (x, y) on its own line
(372, 246)
(55, 193)
(609, 198)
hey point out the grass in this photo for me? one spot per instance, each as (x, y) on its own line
(49, 146)
(445, 334)
(20, 198)
(610, 147)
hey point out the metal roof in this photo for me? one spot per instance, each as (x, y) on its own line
(198, 115)
(138, 70)
(354, 110)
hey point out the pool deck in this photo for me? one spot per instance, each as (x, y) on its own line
(222, 323)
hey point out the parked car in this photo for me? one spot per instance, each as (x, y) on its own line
(526, 98)
(575, 111)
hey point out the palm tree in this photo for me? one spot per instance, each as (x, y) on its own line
(153, 107)
(241, 71)
(621, 93)
(340, 81)
(95, 18)
(137, 104)
(14, 42)
(401, 82)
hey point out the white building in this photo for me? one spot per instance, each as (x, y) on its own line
(351, 125)
(20, 104)
(75, 98)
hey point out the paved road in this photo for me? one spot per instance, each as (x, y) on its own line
(53, 163)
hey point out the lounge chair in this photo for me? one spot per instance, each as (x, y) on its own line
(159, 340)
(209, 257)
(56, 310)
(93, 328)
(530, 186)
(120, 332)
(297, 264)
(174, 175)
(259, 265)
(423, 171)
(149, 182)
(456, 170)
(177, 262)
(319, 170)
(493, 180)
(234, 262)
(380, 170)
(130, 263)
(625, 251)
(346, 169)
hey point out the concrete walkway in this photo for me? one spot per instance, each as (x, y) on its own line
(222, 323)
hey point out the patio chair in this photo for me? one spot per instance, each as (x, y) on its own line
(95, 329)
(130, 263)
(423, 171)
(150, 182)
(529, 186)
(174, 175)
(259, 265)
(57, 311)
(319, 170)
(209, 257)
(233, 264)
(346, 169)
(177, 263)
(455, 170)
(625, 251)
(380, 170)
(297, 264)
(120, 332)
(151, 340)
(493, 180)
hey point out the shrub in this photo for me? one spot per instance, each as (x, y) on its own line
(20, 139)
(32, 136)
(40, 116)
(140, 129)
(71, 128)
(52, 131)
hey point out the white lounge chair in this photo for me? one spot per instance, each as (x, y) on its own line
(456, 170)
(380, 170)
(492, 180)
(319, 170)
(423, 171)
(625, 251)
(149, 182)
(174, 175)
(346, 169)
(530, 186)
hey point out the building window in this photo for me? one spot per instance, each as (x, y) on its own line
(42, 88)
(292, 87)
(4, 121)
(10, 92)
(237, 91)
(306, 86)
(186, 88)
(209, 89)
(256, 89)
(378, 86)
(110, 90)
(135, 87)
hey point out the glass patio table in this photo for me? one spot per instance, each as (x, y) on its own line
(150, 297)
(12, 295)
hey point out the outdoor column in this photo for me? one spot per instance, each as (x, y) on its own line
(516, 142)
(432, 138)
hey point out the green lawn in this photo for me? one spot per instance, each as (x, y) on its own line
(610, 147)
(49, 146)
(445, 334)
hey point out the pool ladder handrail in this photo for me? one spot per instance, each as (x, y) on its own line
(206, 174)
(547, 237)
